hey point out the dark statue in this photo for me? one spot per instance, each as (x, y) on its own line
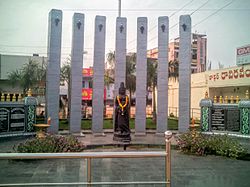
(122, 131)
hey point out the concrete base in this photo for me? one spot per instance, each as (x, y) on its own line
(122, 137)
(99, 134)
(160, 134)
(140, 134)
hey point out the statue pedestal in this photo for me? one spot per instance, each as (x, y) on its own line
(122, 137)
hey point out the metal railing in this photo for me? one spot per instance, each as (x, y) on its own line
(93, 155)
(195, 112)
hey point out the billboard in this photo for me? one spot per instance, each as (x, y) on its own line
(88, 92)
(238, 75)
(87, 72)
(243, 55)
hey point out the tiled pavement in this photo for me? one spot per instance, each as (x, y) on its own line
(187, 170)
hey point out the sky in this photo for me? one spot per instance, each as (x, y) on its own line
(24, 24)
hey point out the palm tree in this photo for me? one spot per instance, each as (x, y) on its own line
(130, 71)
(29, 76)
(130, 74)
(152, 82)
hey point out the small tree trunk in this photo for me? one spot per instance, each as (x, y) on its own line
(154, 105)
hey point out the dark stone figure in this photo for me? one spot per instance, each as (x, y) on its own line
(122, 131)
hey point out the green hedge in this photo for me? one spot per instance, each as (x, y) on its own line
(108, 124)
(50, 144)
(194, 142)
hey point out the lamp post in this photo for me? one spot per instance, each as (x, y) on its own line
(119, 8)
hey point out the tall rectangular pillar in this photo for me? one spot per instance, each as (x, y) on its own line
(53, 69)
(141, 76)
(76, 73)
(184, 73)
(98, 81)
(162, 74)
(120, 52)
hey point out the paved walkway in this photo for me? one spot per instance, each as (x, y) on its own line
(187, 170)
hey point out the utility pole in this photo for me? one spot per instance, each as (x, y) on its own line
(119, 8)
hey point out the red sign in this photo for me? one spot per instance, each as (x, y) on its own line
(88, 92)
(87, 72)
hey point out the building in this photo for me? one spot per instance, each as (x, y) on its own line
(199, 52)
(229, 84)
(10, 63)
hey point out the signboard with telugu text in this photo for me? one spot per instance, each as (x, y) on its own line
(239, 75)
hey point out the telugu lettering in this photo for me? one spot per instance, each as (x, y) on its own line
(230, 74)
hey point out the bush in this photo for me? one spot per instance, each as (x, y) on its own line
(195, 142)
(50, 144)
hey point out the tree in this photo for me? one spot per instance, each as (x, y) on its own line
(130, 74)
(109, 69)
(29, 76)
(130, 71)
(65, 77)
(173, 69)
(152, 82)
(65, 71)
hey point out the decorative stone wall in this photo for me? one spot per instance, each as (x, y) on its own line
(244, 107)
(206, 106)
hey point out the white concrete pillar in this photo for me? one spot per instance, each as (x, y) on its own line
(53, 69)
(184, 73)
(120, 52)
(76, 73)
(141, 76)
(98, 81)
(162, 74)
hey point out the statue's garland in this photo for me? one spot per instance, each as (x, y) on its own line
(120, 104)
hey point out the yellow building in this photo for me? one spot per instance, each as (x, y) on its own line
(223, 85)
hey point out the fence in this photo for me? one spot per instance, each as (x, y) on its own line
(174, 112)
(93, 155)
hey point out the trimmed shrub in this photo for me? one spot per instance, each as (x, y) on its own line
(50, 144)
(195, 142)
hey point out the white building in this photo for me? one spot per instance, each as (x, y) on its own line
(228, 83)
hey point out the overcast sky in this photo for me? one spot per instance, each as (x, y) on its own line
(24, 24)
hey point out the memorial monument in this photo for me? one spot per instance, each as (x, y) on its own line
(121, 125)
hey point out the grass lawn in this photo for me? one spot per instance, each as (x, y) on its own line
(108, 124)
